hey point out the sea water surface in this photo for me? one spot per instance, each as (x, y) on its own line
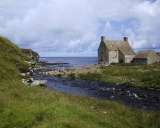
(74, 61)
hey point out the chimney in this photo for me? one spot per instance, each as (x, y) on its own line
(103, 38)
(125, 39)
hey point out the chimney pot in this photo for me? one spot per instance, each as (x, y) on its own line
(125, 38)
(103, 38)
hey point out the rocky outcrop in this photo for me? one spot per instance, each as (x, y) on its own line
(32, 82)
(32, 55)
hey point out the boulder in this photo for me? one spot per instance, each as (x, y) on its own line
(38, 82)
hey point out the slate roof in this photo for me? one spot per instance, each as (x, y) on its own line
(123, 46)
(145, 54)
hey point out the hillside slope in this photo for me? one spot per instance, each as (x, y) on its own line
(12, 60)
(36, 107)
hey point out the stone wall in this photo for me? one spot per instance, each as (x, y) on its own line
(153, 59)
(102, 54)
(121, 57)
(113, 57)
(129, 58)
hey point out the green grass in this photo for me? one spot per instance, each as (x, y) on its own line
(135, 75)
(27, 107)
(37, 107)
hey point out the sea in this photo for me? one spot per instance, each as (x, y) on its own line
(73, 61)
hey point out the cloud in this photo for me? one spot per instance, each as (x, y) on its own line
(69, 27)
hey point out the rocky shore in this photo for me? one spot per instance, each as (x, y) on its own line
(66, 79)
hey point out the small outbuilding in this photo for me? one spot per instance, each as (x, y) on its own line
(146, 57)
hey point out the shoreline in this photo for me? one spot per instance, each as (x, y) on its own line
(122, 74)
(140, 97)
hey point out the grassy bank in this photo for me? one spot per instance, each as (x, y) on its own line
(26, 107)
(135, 75)
(36, 107)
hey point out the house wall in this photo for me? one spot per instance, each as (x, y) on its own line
(125, 58)
(113, 57)
(102, 53)
(129, 58)
(107, 55)
(153, 59)
(121, 57)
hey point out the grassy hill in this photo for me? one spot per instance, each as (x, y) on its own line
(12, 60)
(36, 107)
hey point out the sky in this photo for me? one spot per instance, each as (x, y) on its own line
(74, 27)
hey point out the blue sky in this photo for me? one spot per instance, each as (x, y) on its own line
(74, 27)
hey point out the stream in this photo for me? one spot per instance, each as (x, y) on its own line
(133, 96)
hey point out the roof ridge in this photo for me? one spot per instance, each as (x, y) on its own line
(121, 45)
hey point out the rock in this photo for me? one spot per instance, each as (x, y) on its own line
(107, 89)
(38, 82)
(23, 74)
(92, 107)
(28, 73)
(135, 95)
(129, 93)
(24, 81)
(104, 112)
(33, 82)
(112, 97)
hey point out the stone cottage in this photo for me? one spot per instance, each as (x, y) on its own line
(115, 51)
(146, 57)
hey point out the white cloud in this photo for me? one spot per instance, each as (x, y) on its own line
(69, 27)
